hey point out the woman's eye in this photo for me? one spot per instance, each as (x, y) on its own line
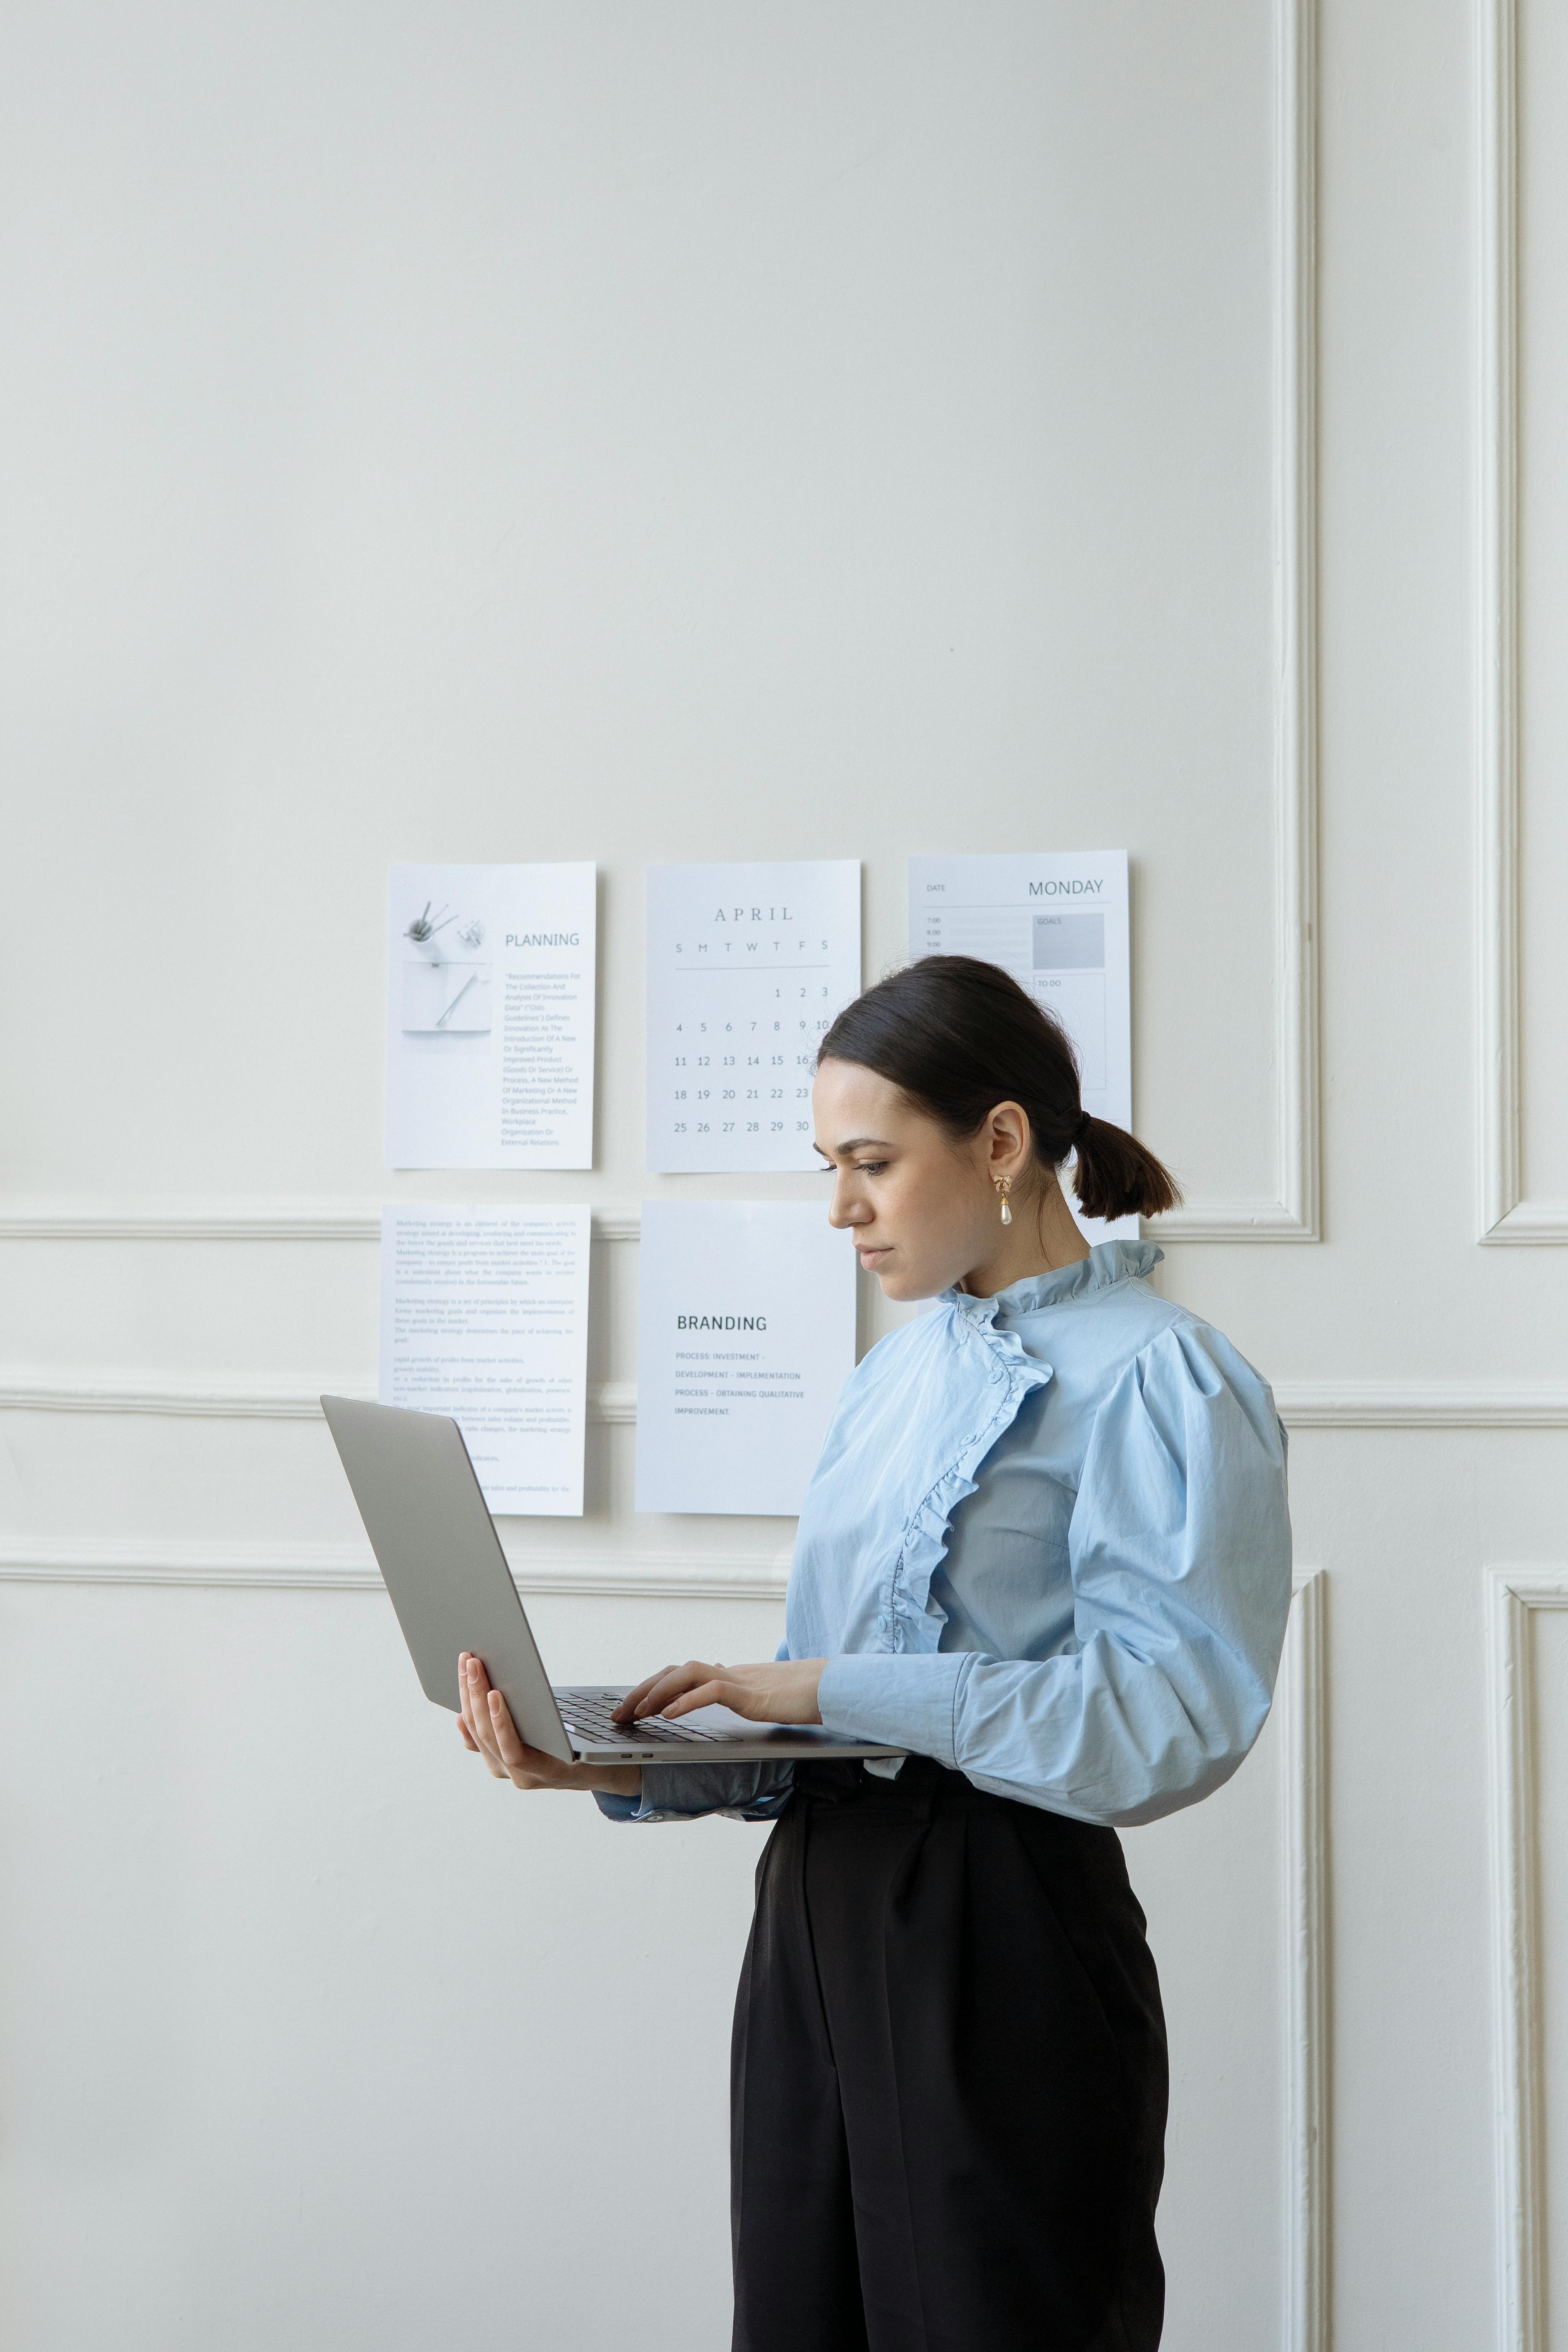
(870, 1166)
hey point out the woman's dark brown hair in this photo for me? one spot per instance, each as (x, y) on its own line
(960, 1036)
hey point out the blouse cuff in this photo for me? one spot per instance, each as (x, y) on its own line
(908, 1700)
(684, 1793)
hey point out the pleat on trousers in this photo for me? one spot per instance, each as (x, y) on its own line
(949, 2079)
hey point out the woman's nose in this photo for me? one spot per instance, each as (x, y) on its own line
(843, 1209)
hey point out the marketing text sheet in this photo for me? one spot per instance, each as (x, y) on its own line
(484, 1315)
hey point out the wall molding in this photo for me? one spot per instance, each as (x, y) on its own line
(1303, 1404)
(1302, 1698)
(1238, 1221)
(166, 1219)
(290, 1567)
(1506, 1216)
(156, 1219)
(1295, 1215)
(1422, 1404)
(1514, 1594)
(240, 1397)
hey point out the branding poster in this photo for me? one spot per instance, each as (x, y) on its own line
(745, 1336)
(489, 1021)
(1058, 922)
(747, 966)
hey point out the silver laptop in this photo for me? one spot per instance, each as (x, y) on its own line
(436, 1547)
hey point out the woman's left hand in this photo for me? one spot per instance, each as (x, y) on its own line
(779, 1693)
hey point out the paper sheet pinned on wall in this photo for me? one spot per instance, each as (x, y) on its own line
(490, 1034)
(745, 1336)
(484, 1315)
(1058, 922)
(747, 966)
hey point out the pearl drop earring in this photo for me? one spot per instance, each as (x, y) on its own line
(1004, 1185)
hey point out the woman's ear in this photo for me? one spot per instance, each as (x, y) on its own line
(1008, 1137)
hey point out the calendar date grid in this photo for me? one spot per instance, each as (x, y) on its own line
(749, 1074)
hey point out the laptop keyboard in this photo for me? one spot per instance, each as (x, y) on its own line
(587, 1713)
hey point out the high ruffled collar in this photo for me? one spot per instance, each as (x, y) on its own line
(1106, 1264)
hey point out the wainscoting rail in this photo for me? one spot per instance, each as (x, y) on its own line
(233, 1397)
(285, 1566)
(1303, 1404)
(151, 1218)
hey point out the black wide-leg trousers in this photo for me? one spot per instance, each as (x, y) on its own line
(949, 2079)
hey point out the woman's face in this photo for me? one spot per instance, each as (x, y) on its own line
(922, 1209)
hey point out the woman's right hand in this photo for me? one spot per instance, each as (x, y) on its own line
(489, 1730)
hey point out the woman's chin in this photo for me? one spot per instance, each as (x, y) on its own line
(898, 1279)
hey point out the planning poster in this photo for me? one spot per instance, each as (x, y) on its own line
(1058, 922)
(745, 1336)
(490, 1024)
(747, 965)
(484, 1315)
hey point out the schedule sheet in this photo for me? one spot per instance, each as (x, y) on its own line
(484, 1315)
(745, 1336)
(1058, 922)
(489, 1026)
(747, 965)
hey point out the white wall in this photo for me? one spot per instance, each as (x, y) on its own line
(673, 430)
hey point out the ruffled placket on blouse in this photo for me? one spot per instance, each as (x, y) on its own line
(911, 1619)
(914, 1424)
(871, 1538)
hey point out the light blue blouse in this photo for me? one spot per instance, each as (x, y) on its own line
(1046, 1543)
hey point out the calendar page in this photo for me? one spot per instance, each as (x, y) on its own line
(747, 965)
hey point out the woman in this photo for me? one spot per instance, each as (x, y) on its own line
(1046, 1550)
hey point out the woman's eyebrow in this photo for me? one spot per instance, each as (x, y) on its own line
(861, 1142)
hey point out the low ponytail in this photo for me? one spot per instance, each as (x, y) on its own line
(959, 1036)
(1117, 1176)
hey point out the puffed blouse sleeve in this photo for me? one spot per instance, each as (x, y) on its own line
(1179, 1546)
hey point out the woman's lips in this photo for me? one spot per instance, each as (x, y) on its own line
(869, 1250)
